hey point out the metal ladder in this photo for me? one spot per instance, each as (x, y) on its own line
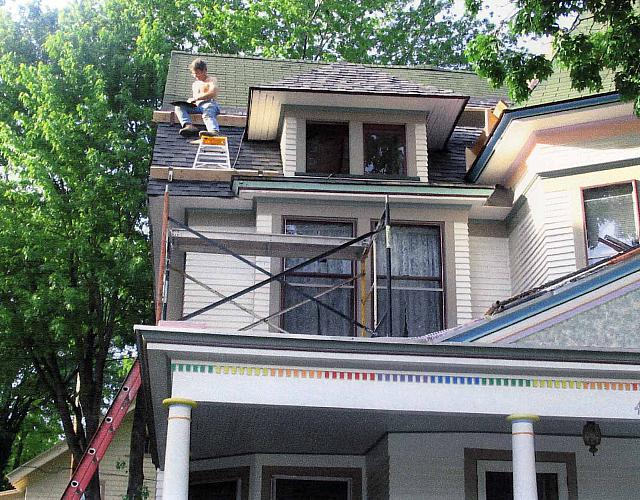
(213, 152)
(104, 435)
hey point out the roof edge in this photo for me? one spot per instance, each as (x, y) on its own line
(509, 115)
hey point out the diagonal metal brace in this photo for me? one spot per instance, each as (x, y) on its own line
(271, 277)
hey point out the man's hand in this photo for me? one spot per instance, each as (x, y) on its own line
(192, 99)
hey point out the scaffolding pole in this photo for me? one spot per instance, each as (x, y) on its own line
(387, 232)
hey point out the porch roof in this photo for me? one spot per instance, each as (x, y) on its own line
(261, 393)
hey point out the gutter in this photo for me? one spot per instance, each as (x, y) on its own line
(508, 319)
(538, 110)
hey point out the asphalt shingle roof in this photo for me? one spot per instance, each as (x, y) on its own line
(155, 187)
(172, 150)
(346, 77)
(236, 74)
(450, 164)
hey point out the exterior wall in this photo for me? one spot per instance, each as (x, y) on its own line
(490, 272)
(49, 481)
(293, 139)
(541, 238)
(378, 471)
(222, 273)
(463, 272)
(431, 466)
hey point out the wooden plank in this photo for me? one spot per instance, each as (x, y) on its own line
(223, 120)
(207, 174)
(270, 245)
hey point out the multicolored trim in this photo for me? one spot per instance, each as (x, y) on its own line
(404, 377)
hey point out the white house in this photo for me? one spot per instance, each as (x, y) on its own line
(282, 368)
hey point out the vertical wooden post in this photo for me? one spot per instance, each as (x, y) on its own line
(162, 265)
(387, 229)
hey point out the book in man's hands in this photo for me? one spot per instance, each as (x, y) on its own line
(183, 103)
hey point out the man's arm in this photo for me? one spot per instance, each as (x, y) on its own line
(206, 90)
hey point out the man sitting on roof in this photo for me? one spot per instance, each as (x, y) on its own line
(205, 91)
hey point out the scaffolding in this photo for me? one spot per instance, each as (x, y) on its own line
(177, 236)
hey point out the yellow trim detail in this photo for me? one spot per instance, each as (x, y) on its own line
(523, 416)
(179, 401)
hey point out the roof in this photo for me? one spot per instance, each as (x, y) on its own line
(16, 475)
(236, 74)
(173, 150)
(348, 77)
(535, 301)
(450, 164)
(558, 86)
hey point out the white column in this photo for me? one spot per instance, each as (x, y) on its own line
(524, 457)
(176, 459)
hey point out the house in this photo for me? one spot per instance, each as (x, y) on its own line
(45, 476)
(322, 329)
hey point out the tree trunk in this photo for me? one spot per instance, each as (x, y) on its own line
(136, 453)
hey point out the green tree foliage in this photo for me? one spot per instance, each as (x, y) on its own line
(384, 31)
(604, 38)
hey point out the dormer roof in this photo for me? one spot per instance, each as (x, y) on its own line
(348, 87)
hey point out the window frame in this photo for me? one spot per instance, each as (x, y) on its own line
(635, 195)
(347, 143)
(354, 287)
(351, 475)
(240, 475)
(443, 269)
(383, 126)
(472, 456)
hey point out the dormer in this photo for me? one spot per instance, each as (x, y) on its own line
(351, 120)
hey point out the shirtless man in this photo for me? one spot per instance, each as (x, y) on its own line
(205, 91)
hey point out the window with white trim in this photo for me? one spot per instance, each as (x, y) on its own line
(612, 211)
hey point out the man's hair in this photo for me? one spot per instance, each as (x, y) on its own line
(198, 64)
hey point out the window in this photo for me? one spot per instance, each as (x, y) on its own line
(416, 280)
(327, 148)
(385, 150)
(610, 211)
(315, 278)
(311, 483)
(488, 475)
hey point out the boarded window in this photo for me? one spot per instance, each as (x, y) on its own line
(327, 148)
(609, 211)
(416, 280)
(311, 318)
(385, 151)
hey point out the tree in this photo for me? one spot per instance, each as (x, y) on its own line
(605, 37)
(373, 31)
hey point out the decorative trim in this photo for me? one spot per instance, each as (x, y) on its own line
(179, 401)
(523, 416)
(325, 374)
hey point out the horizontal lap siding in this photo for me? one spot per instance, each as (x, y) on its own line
(288, 145)
(463, 272)
(490, 273)
(422, 167)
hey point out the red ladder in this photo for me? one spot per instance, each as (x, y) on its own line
(104, 435)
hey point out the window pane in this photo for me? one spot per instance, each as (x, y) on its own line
(327, 148)
(415, 312)
(499, 485)
(415, 251)
(310, 489)
(311, 318)
(384, 149)
(609, 211)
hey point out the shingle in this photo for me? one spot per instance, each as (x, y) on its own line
(236, 74)
(172, 150)
(346, 77)
(190, 188)
(449, 165)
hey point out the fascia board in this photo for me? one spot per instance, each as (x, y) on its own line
(540, 110)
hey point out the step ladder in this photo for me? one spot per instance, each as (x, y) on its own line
(104, 435)
(213, 152)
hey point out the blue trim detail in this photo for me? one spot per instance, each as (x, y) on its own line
(508, 116)
(579, 289)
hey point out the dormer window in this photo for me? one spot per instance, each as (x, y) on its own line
(327, 148)
(385, 149)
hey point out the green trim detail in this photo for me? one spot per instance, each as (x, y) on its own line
(179, 401)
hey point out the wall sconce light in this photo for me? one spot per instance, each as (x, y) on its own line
(591, 436)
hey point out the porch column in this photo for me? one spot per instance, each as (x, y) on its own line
(524, 456)
(176, 458)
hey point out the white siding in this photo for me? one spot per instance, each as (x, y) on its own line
(490, 274)
(223, 273)
(463, 272)
(421, 152)
(541, 243)
(288, 145)
(261, 295)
